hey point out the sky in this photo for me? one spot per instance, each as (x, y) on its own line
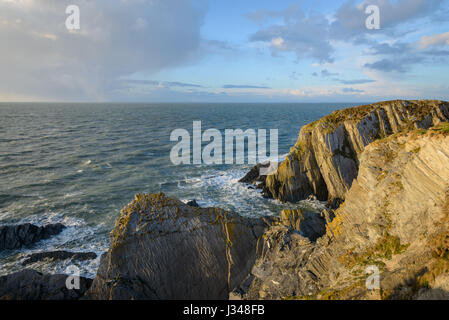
(223, 51)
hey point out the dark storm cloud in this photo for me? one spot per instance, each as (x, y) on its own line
(116, 39)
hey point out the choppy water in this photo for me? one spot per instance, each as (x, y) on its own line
(79, 164)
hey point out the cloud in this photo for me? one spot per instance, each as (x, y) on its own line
(334, 77)
(434, 40)
(305, 35)
(401, 57)
(326, 73)
(355, 81)
(400, 64)
(117, 39)
(350, 18)
(352, 90)
(312, 35)
(234, 86)
(165, 84)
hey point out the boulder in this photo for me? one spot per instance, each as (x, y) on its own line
(32, 285)
(162, 248)
(16, 236)
(193, 203)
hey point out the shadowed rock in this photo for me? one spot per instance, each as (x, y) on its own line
(193, 203)
(253, 176)
(310, 224)
(16, 236)
(32, 285)
(59, 255)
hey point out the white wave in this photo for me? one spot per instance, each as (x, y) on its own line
(77, 236)
(72, 194)
(5, 215)
(216, 188)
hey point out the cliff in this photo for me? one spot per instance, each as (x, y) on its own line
(325, 159)
(395, 217)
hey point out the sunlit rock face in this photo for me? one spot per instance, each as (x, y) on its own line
(325, 159)
(162, 248)
(395, 218)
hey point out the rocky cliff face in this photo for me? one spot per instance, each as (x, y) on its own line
(389, 161)
(395, 218)
(325, 159)
(164, 249)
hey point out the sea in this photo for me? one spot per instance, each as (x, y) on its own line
(79, 164)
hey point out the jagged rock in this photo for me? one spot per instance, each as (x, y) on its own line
(278, 270)
(58, 255)
(325, 159)
(395, 217)
(310, 224)
(335, 203)
(193, 203)
(16, 236)
(32, 285)
(328, 215)
(163, 249)
(253, 176)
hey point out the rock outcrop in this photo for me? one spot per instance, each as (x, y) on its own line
(162, 248)
(58, 255)
(309, 224)
(325, 159)
(253, 176)
(395, 218)
(16, 236)
(192, 203)
(32, 285)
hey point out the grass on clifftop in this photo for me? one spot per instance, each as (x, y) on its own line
(419, 108)
(441, 128)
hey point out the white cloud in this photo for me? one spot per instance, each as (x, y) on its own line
(305, 35)
(277, 42)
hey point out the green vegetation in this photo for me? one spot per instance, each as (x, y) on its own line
(385, 248)
(441, 128)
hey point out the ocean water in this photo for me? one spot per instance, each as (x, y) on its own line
(79, 164)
